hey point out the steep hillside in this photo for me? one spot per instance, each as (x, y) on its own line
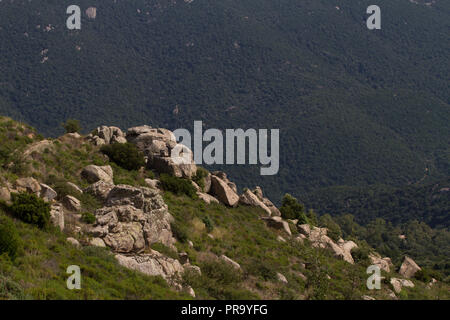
(139, 233)
(354, 106)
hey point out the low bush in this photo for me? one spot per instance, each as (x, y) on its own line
(200, 176)
(88, 218)
(30, 209)
(125, 155)
(178, 186)
(179, 231)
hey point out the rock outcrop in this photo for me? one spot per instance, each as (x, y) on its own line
(158, 145)
(408, 268)
(133, 218)
(29, 185)
(250, 199)
(100, 189)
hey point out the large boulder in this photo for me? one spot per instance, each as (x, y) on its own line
(94, 173)
(277, 223)
(408, 268)
(107, 135)
(250, 199)
(207, 198)
(223, 192)
(29, 185)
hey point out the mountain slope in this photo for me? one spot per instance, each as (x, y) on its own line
(355, 107)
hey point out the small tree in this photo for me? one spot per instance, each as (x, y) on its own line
(72, 126)
(292, 209)
(30, 209)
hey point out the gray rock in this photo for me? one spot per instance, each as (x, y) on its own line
(94, 173)
(100, 190)
(29, 185)
(250, 199)
(277, 223)
(57, 216)
(281, 278)
(74, 242)
(47, 192)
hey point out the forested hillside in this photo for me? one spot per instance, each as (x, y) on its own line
(354, 106)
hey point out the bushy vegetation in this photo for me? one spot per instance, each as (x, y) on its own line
(72, 126)
(177, 186)
(30, 209)
(10, 242)
(292, 209)
(125, 155)
(200, 176)
(88, 217)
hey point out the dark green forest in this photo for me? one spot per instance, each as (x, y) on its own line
(355, 107)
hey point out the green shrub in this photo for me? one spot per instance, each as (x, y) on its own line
(334, 230)
(72, 126)
(10, 242)
(30, 209)
(165, 250)
(178, 186)
(291, 209)
(125, 155)
(425, 275)
(88, 218)
(200, 176)
(179, 231)
(11, 290)
(208, 223)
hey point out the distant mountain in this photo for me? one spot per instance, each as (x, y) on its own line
(355, 107)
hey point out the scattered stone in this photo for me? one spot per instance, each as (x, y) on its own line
(190, 244)
(398, 284)
(408, 268)
(232, 263)
(281, 239)
(368, 298)
(281, 278)
(183, 258)
(74, 242)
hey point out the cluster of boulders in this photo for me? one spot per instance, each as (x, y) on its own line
(107, 135)
(319, 239)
